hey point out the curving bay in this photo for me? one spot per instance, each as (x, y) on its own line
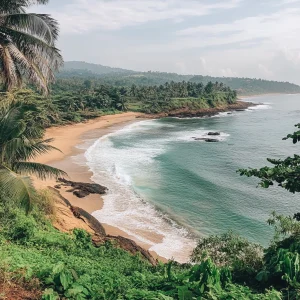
(164, 182)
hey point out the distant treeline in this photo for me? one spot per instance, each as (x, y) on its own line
(121, 77)
(91, 95)
(75, 100)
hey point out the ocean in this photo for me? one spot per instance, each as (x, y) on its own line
(167, 189)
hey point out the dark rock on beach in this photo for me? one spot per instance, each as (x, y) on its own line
(99, 236)
(81, 189)
(214, 133)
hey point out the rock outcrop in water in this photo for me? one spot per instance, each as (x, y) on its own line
(207, 140)
(214, 133)
(81, 189)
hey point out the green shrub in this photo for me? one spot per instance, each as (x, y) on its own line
(243, 257)
(23, 230)
(45, 203)
(69, 265)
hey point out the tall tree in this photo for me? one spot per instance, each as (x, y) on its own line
(284, 172)
(27, 45)
(20, 142)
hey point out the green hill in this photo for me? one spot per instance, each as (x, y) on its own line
(249, 86)
(78, 68)
(123, 77)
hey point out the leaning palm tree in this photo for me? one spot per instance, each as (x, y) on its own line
(20, 143)
(27, 45)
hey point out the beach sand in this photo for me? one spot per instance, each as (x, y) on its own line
(66, 138)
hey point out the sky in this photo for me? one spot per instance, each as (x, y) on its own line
(240, 38)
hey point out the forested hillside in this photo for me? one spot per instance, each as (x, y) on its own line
(122, 77)
(79, 66)
(248, 86)
(76, 100)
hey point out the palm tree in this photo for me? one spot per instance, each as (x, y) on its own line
(27, 45)
(20, 143)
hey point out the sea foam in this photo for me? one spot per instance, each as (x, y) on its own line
(260, 106)
(127, 164)
(125, 170)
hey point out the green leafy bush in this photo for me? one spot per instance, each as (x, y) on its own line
(69, 266)
(244, 258)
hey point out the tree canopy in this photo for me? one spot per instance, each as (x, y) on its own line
(285, 172)
(27, 45)
(20, 143)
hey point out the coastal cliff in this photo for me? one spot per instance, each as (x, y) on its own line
(69, 217)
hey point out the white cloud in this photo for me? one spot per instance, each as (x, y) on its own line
(86, 15)
(280, 26)
(264, 44)
(283, 2)
(266, 32)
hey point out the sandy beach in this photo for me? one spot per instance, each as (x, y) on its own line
(66, 138)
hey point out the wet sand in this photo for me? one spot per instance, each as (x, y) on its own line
(67, 139)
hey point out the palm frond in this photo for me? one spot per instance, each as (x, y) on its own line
(32, 149)
(33, 58)
(27, 45)
(38, 25)
(8, 68)
(17, 187)
(28, 68)
(11, 149)
(23, 149)
(13, 6)
(9, 120)
(40, 170)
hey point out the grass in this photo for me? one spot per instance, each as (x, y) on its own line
(37, 257)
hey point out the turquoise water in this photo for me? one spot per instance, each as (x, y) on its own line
(163, 181)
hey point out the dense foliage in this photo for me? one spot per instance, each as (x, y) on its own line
(78, 100)
(70, 266)
(92, 96)
(250, 86)
(27, 45)
(21, 140)
(284, 172)
(121, 77)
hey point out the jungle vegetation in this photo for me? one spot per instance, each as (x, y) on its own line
(79, 100)
(56, 265)
(59, 265)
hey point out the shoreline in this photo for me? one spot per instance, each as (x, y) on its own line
(74, 139)
(241, 97)
(186, 112)
(67, 138)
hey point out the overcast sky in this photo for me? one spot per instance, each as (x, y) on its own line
(244, 38)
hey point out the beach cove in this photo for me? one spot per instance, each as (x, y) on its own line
(148, 208)
(66, 138)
